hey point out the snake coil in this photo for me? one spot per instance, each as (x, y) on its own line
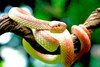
(50, 35)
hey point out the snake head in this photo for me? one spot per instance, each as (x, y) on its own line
(57, 26)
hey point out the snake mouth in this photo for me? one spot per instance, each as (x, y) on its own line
(57, 26)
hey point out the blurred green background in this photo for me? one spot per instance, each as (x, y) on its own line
(72, 12)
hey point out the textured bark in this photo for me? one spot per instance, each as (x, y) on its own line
(8, 25)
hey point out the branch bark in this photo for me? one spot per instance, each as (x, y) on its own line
(8, 25)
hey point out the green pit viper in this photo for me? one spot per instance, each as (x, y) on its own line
(50, 35)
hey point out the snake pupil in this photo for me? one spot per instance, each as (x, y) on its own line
(59, 25)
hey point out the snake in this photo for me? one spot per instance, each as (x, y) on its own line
(50, 35)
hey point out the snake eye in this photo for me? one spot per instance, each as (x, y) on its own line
(59, 25)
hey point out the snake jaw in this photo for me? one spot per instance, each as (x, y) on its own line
(57, 26)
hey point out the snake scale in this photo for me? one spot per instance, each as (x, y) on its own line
(50, 35)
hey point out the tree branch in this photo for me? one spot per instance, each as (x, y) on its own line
(8, 25)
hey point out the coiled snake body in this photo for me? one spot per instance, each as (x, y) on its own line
(50, 35)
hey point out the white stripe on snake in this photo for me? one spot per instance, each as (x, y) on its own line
(50, 35)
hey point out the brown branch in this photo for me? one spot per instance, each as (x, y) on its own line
(8, 25)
